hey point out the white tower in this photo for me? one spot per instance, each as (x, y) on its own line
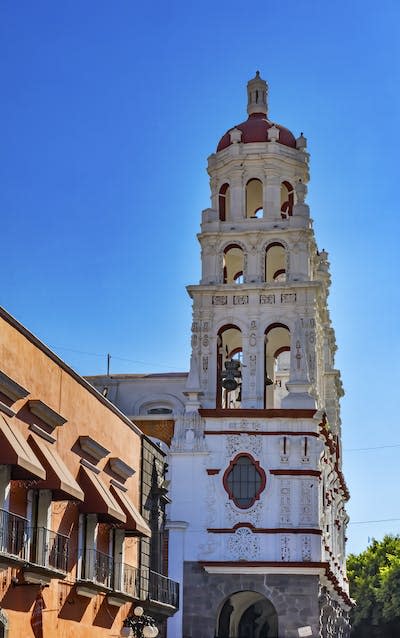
(258, 519)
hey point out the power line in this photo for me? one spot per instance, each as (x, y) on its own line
(378, 447)
(379, 520)
(105, 355)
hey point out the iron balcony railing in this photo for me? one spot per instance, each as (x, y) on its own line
(127, 579)
(163, 590)
(13, 534)
(98, 568)
(48, 549)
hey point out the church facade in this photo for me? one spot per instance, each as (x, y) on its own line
(257, 521)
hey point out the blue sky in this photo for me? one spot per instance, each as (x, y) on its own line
(108, 113)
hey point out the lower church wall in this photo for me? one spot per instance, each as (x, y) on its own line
(295, 598)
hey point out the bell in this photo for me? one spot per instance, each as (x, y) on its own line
(229, 384)
(230, 374)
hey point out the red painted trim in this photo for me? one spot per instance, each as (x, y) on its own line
(264, 530)
(212, 472)
(245, 563)
(260, 471)
(262, 413)
(260, 433)
(296, 472)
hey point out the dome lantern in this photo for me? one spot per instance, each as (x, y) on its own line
(257, 95)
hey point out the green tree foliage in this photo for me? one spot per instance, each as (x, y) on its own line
(374, 577)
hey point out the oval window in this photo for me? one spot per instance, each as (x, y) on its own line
(244, 480)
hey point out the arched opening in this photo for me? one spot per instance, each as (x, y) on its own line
(277, 364)
(287, 200)
(233, 264)
(229, 367)
(247, 614)
(254, 198)
(275, 263)
(224, 202)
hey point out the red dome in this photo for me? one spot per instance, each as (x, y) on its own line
(255, 130)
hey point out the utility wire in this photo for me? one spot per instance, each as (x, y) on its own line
(379, 520)
(363, 449)
(104, 355)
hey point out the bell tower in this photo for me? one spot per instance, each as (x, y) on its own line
(257, 484)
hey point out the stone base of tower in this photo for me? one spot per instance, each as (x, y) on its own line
(223, 605)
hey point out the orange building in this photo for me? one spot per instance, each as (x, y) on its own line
(72, 538)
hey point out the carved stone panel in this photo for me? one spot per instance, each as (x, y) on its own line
(243, 545)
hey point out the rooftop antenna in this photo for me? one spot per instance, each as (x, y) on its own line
(108, 364)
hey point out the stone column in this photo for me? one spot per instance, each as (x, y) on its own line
(237, 196)
(176, 549)
(272, 196)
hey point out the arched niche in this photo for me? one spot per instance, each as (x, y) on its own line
(247, 614)
(276, 364)
(254, 198)
(233, 264)
(275, 262)
(229, 347)
(224, 200)
(287, 199)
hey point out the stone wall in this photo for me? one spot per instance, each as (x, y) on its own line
(295, 598)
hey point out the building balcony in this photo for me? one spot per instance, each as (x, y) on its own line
(42, 552)
(163, 591)
(127, 580)
(47, 555)
(13, 538)
(97, 574)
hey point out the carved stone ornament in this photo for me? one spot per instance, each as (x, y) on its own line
(285, 548)
(220, 300)
(306, 548)
(288, 297)
(306, 502)
(236, 443)
(188, 433)
(285, 503)
(243, 545)
(253, 426)
(267, 299)
(240, 300)
(235, 515)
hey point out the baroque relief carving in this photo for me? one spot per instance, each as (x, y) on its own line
(306, 549)
(285, 503)
(267, 299)
(252, 515)
(245, 425)
(243, 442)
(243, 545)
(285, 548)
(306, 502)
(188, 433)
(240, 300)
